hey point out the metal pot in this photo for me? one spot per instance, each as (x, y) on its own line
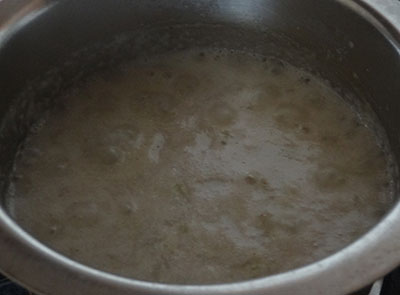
(353, 44)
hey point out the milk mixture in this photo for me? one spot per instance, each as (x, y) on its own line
(200, 167)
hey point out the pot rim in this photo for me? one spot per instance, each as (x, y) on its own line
(43, 270)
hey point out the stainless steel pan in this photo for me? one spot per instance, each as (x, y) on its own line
(353, 44)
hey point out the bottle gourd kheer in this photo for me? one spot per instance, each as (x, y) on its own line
(201, 167)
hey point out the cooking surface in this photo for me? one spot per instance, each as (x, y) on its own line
(213, 166)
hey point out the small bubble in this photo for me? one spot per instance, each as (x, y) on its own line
(62, 166)
(304, 129)
(54, 229)
(36, 127)
(17, 177)
(278, 67)
(305, 80)
(11, 190)
(167, 75)
(250, 179)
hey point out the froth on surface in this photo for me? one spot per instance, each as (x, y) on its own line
(201, 167)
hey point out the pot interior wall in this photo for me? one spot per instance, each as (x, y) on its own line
(73, 39)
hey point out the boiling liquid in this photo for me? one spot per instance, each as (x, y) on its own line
(201, 167)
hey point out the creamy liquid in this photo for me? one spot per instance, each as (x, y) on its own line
(201, 167)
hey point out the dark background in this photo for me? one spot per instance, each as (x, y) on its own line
(9, 288)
